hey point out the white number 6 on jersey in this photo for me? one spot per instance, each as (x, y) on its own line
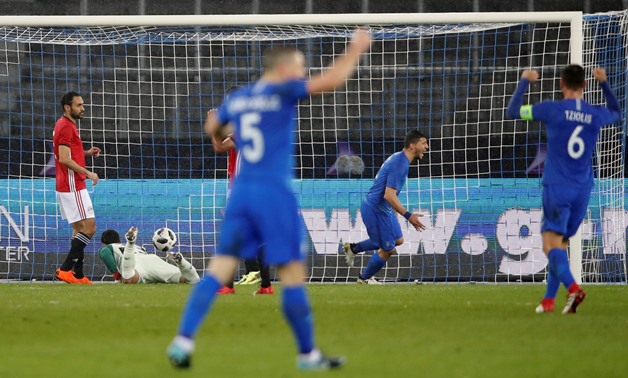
(249, 132)
(575, 140)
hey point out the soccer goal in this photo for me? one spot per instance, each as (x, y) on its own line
(148, 82)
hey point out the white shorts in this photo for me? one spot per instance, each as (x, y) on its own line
(75, 206)
(152, 269)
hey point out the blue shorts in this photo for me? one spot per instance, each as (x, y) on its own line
(262, 213)
(382, 228)
(564, 208)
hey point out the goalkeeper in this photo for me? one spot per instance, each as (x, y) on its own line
(132, 265)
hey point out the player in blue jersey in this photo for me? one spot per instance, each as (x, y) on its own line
(263, 208)
(572, 128)
(381, 205)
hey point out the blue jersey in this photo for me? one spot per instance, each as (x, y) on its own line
(264, 117)
(572, 127)
(392, 174)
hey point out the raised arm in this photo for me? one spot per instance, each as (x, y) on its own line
(214, 128)
(339, 71)
(221, 144)
(220, 147)
(611, 100)
(514, 106)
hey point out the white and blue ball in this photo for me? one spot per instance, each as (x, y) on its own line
(164, 239)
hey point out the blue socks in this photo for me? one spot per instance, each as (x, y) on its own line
(375, 264)
(296, 309)
(365, 245)
(199, 302)
(553, 283)
(560, 264)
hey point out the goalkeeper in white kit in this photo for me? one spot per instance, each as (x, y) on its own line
(132, 265)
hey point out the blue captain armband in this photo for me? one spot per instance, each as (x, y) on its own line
(525, 112)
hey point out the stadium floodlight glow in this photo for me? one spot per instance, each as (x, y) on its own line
(148, 82)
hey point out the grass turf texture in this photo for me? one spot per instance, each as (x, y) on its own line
(385, 331)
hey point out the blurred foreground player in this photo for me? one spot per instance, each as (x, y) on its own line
(381, 205)
(263, 208)
(72, 195)
(256, 270)
(131, 264)
(572, 126)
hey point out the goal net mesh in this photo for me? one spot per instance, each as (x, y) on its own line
(147, 91)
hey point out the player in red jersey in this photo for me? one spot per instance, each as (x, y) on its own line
(256, 271)
(72, 195)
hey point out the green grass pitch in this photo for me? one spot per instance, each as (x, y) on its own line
(385, 331)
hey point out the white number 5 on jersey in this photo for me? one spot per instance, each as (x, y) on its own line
(249, 132)
(575, 141)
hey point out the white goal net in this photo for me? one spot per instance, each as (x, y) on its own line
(148, 88)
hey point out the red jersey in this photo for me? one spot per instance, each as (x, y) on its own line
(233, 164)
(66, 134)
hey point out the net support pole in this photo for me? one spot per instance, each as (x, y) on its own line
(575, 243)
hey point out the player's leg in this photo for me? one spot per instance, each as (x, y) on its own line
(552, 286)
(558, 209)
(389, 236)
(73, 264)
(579, 206)
(555, 232)
(188, 271)
(296, 305)
(281, 234)
(252, 272)
(554, 226)
(252, 275)
(364, 246)
(264, 270)
(556, 250)
(237, 235)
(198, 305)
(377, 261)
(551, 240)
(370, 244)
(227, 288)
(79, 242)
(298, 313)
(127, 268)
(77, 208)
(352, 249)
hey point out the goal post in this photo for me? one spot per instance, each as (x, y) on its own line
(344, 19)
(148, 82)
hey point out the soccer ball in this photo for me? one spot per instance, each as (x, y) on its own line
(164, 239)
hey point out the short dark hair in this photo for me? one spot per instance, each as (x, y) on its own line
(573, 76)
(68, 98)
(412, 137)
(109, 237)
(276, 55)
